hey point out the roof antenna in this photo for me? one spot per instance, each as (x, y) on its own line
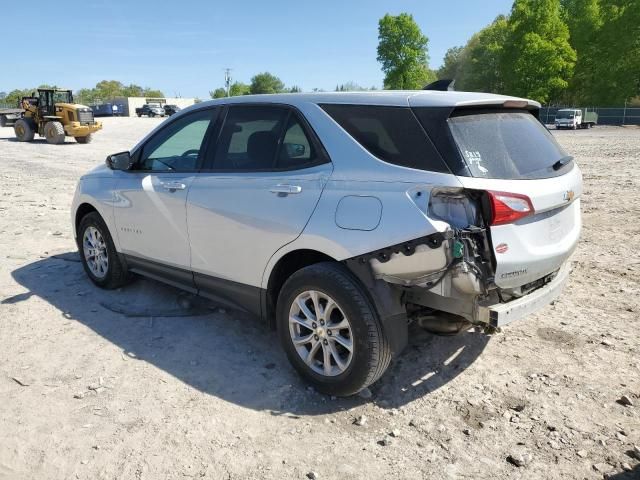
(445, 85)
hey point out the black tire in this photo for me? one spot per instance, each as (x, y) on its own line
(151, 115)
(116, 273)
(24, 130)
(139, 115)
(371, 352)
(86, 139)
(54, 133)
(3, 121)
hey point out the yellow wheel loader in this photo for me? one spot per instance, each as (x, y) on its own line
(53, 115)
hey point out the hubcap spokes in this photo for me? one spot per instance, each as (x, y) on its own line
(95, 252)
(321, 333)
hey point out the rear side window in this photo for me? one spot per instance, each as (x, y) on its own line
(392, 134)
(506, 145)
(249, 138)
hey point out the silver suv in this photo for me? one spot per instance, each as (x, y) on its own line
(341, 218)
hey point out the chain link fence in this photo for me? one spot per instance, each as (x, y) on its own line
(606, 115)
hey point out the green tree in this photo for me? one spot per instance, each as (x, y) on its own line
(402, 51)
(481, 66)
(152, 93)
(584, 19)
(218, 93)
(265, 83)
(453, 60)
(349, 87)
(538, 60)
(238, 88)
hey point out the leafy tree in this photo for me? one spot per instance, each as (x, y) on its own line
(14, 96)
(402, 51)
(294, 89)
(538, 60)
(238, 88)
(616, 54)
(481, 66)
(151, 93)
(453, 60)
(265, 83)
(218, 93)
(349, 87)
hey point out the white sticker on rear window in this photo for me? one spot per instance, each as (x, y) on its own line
(474, 158)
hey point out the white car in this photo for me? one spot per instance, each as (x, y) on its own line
(339, 218)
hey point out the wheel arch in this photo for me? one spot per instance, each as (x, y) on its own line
(287, 265)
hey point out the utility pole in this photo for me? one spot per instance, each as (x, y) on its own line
(227, 80)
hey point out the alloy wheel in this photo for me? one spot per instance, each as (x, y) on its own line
(321, 333)
(95, 253)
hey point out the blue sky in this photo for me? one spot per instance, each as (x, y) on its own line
(182, 48)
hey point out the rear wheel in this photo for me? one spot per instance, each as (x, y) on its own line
(98, 253)
(3, 121)
(330, 330)
(24, 130)
(54, 133)
(86, 139)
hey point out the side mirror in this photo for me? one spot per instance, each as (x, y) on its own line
(294, 150)
(119, 161)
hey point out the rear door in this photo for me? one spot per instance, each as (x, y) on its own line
(511, 151)
(257, 194)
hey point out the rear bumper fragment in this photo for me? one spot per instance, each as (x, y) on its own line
(501, 314)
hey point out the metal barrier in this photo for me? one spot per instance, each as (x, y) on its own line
(606, 115)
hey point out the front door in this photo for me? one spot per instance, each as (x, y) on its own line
(149, 209)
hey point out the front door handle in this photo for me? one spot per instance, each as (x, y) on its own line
(173, 186)
(282, 189)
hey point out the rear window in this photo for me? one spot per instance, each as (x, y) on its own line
(506, 145)
(392, 134)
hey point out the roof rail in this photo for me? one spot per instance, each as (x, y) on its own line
(444, 85)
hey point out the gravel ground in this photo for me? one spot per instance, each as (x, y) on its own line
(145, 383)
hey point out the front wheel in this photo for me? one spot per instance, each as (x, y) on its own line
(98, 253)
(54, 133)
(330, 330)
(86, 139)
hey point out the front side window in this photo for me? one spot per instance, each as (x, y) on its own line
(178, 147)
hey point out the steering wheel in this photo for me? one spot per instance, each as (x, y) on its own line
(193, 151)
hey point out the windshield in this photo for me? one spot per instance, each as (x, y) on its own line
(62, 97)
(506, 145)
(565, 114)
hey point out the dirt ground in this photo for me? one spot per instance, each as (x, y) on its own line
(141, 383)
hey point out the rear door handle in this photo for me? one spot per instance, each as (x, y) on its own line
(173, 186)
(282, 189)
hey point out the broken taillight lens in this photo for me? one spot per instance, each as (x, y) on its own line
(509, 207)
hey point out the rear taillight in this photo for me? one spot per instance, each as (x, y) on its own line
(508, 207)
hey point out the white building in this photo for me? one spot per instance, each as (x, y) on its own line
(131, 103)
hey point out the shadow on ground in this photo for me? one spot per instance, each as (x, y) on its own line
(227, 353)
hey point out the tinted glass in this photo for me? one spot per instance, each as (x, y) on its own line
(297, 151)
(178, 146)
(390, 133)
(249, 138)
(506, 145)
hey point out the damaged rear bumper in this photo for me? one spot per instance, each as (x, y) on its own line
(501, 314)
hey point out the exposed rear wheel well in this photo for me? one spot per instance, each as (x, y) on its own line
(287, 266)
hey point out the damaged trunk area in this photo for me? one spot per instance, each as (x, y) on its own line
(443, 276)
